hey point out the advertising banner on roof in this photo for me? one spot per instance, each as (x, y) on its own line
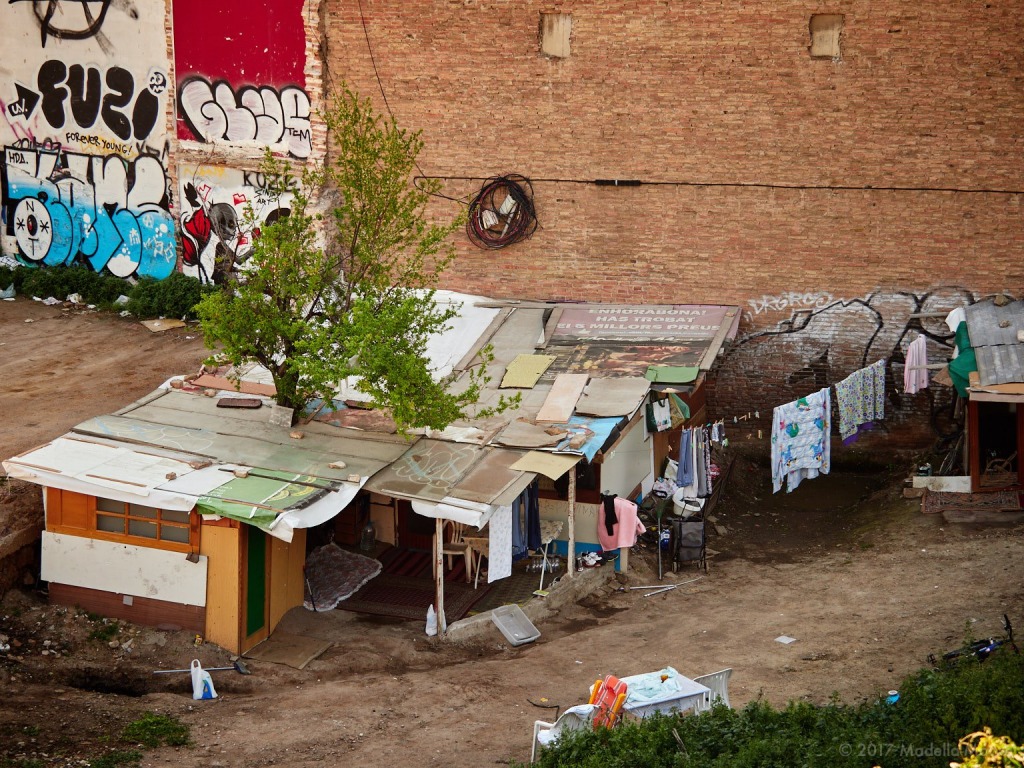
(664, 322)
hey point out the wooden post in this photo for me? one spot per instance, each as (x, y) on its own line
(442, 623)
(570, 564)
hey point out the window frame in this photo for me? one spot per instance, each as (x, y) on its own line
(191, 526)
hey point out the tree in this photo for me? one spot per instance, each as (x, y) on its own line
(364, 305)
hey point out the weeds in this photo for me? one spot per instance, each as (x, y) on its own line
(153, 730)
(117, 758)
(105, 632)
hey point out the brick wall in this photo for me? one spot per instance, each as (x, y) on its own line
(831, 199)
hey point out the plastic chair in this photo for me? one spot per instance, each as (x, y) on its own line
(454, 546)
(578, 718)
(607, 697)
(718, 682)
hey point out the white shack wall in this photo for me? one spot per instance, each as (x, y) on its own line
(123, 569)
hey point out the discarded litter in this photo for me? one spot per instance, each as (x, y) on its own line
(8, 293)
(785, 639)
(202, 683)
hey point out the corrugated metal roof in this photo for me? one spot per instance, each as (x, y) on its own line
(993, 330)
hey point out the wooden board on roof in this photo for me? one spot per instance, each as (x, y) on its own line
(525, 434)
(489, 477)
(613, 397)
(525, 370)
(561, 400)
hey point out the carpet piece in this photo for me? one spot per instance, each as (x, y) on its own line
(406, 597)
(934, 502)
(292, 650)
(333, 574)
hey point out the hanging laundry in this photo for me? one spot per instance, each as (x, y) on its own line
(499, 548)
(801, 433)
(953, 320)
(860, 398)
(915, 370)
(626, 528)
(684, 472)
(678, 409)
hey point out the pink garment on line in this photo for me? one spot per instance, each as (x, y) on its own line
(626, 528)
(915, 372)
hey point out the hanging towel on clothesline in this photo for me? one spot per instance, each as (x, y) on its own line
(915, 371)
(801, 433)
(860, 398)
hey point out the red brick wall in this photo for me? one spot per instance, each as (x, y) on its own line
(783, 176)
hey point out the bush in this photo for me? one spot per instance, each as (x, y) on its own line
(60, 282)
(175, 296)
(924, 728)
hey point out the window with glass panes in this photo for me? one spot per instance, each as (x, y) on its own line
(139, 521)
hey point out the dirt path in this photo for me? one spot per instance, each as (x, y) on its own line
(866, 583)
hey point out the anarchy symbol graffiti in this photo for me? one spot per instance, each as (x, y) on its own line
(90, 19)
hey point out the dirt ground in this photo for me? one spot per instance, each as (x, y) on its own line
(866, 584)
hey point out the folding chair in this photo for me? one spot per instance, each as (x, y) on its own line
(690, 543)
(718, 682)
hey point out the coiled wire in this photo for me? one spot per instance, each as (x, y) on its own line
(502, 212)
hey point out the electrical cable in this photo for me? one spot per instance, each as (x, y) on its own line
(743, 184)
(502, 212)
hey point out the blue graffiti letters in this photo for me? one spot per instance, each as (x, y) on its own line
(104, 211)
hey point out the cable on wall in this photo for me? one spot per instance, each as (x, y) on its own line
(502, 212)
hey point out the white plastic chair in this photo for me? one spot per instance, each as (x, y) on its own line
(578, 718)
(718, 682)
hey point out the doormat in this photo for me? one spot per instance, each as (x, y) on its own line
(934, 502)
(416, 563)
(333, 574)
(405, 597)
(292, 650)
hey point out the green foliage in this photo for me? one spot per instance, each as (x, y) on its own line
(153, 730)
(60, 282)
(105, 632)
(117, 758)
(984, 750)
(364, 304)
(175, 296)
(923, 728)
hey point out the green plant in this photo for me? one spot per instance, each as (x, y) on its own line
(176, 296)
(364, 305)
(153, 730)
(60, 282)
(105, 632)
(984, 750)
(116, 758)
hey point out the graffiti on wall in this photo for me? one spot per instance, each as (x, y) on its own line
(66, 207)
(69, 19)
(816, 344)
(215, 112)
(223, 210)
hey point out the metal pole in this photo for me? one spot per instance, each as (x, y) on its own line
(570, 564)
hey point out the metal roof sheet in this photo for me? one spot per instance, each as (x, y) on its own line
(993, 331)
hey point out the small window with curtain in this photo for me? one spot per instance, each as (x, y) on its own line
(138, 521)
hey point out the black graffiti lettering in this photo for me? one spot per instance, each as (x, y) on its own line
(121, 86)
(144, 116)
(50, 79)
(46, 10)
(85, 90)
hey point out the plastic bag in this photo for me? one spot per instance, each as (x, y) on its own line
(431, 621)
(202, 683)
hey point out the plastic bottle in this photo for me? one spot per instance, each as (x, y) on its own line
(368, 537)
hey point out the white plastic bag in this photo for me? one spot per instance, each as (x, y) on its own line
(202, 683)
(431, 621)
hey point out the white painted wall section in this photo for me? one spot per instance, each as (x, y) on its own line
(123, 569)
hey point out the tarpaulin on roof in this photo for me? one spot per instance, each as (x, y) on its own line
(278, 502)
(459, 510)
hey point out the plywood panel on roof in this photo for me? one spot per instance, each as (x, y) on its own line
(526, 370)
(489, 477)
(428, 470)
(561, 400)
(526, 434)
(613, 397)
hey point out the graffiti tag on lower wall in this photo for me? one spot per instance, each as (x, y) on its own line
(223, 210)
(214, 112)
(65, 207)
